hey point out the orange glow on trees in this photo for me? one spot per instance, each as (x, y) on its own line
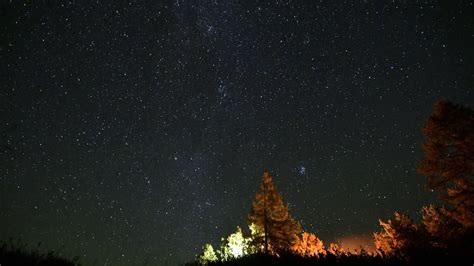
(449, 166)
(397, 235)
(309, 245)
(449, 158)
(270, 213)
(335, 249)
(444, 231)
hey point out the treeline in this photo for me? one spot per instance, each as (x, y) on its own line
(289, 258)
(445, 233)
(18, 253)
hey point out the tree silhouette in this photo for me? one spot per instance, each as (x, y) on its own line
(277, 229)
(449, 166)
(445, 233)
(449, 157)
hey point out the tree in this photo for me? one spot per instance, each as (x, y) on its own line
(277, 230)
(255, 243)
(208, 255)
(439, 225)
(309, 245)
(335, 249)
(449, 166)
(235, 245)
(398, 236)
(449, 158)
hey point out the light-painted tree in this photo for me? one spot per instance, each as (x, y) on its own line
(270, 213)
(397, 236)
(235, 245)
(208, 255)
(335, 249)
(256, 233)
(449, 166)
(309, 245)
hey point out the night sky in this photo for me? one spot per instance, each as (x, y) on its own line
(137, 131)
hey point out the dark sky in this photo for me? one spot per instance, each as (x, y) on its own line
(138, 131)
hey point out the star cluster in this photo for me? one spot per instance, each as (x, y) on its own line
(138, 131)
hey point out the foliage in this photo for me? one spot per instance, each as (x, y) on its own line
(235, 245)
(444, 234)
(335, 250)
(270, 213)
(440, 226)
(208, 255)
(286, 258)
(398, 235)
(449, 166)
(256, 232)
(309, 245)
(449, 158)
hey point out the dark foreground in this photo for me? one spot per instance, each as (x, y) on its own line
(290, 259)
(16, 253)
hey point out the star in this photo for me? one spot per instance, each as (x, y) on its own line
(131, 116)
(301, 170)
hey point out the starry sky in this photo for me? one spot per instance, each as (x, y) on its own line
(135, 132)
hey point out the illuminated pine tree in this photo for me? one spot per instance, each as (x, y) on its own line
(277, 229)
(208, 255)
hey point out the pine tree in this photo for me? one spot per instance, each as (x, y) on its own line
(277, 229)
(208, 255)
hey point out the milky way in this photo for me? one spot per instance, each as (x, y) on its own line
(138, 131)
